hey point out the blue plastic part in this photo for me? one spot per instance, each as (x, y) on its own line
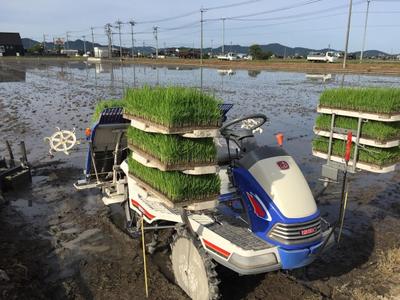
(292, 259)
(261, 226)
(225, 107)
(113, 115)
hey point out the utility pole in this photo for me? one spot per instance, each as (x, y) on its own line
(211, 48)
(67, 34)
(44, 42)
(347, 35)
(202, 10)
(155, 29)
(144, 44)
(223, 35)
(108, 33)
(133, 40)
(365, 32)
(91, 28)
(120, 43)
(84, 44)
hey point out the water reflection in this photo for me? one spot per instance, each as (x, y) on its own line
(9, 74)
(321, 77)
(180, 68)
(253, 73)
(223, 72)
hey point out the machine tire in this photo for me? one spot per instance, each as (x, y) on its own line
(193, 268)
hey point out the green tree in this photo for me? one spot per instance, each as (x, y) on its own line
(37, 48)
(256, 51)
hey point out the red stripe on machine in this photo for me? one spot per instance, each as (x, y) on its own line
(216, 249)
(139, 207)
(258, 209)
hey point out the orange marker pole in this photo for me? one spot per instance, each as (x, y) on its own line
(279, 138)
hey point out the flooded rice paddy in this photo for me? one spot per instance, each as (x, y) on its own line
(82, 254)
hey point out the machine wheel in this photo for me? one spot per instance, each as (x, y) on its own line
(193, 269)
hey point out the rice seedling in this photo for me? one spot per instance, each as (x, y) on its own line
(174, 149)
(372, 100)
(175, 185)
(173, 106)
(100, 106)
(380, 131)
(366, 154)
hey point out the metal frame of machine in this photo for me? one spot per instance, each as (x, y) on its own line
(249, 232)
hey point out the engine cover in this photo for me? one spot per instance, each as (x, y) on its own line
(285, 184)
(282, 180)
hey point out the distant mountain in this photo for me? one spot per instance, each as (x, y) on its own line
(277, 49)
(79, 45)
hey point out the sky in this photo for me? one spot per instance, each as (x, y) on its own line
(303, 23)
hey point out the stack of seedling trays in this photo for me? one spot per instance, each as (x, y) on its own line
(171, 138)
(379, 136)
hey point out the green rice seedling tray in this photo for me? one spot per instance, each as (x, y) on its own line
(185, 131)
(174, 187)
(381, 132)
(207, 203)
(359, 165)
(369, 158)
(380, 104)
(151, 161)
(358, 114)
(363, 141)
(173, 152)
(172, 110)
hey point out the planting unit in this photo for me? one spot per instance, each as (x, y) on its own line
(372, 116)
(175, 163)
(254, 214)
(173, 110)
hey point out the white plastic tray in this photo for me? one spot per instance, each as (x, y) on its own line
(368, 142)
(359, 165)
(356, 114)
(152, 162)
(189, 132)
(189, 205)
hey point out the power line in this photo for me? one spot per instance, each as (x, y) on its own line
(304, 3)
(297, 15)
(169, 18)
(232, 5)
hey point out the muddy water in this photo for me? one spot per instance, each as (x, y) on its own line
(36, 97)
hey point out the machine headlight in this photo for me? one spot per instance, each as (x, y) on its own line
(253, 262)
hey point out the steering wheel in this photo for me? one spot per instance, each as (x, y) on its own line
(226, 129)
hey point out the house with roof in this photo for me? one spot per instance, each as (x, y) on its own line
(11, 44)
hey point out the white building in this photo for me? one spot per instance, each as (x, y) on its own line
(100, 52)
(69, 52)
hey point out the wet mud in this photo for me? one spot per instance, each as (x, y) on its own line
(58, 243)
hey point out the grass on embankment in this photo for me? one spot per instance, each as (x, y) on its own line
(175, 185)
(366, 154)
(379, 131)
(372, 100)
(173, 149)
(173, 106)
(100, 106)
